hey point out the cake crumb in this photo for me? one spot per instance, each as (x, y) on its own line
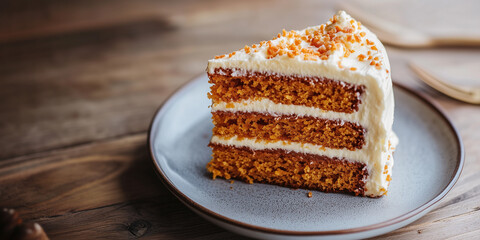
(309, 194)
(231, 181)
(231, 187)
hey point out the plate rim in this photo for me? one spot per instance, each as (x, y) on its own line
(460, 159)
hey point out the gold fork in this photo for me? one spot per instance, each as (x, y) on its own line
(470, 95)
(397, 35)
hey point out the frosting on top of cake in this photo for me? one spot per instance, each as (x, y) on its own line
(342, 42)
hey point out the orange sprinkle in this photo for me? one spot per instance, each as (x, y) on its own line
(369, 52)
(387, 70)
(220, 56)
(375, 58)
(361, 57)
(353, 68)
(340, 64)
(369, 58)
(357, 38)
(369, 42)
(374, 48)
(284, 32)
(389, 178)
(363, 34)
(372, 63)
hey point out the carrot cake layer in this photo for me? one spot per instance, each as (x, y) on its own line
(322, 93)
(328, 133)
(290, 169)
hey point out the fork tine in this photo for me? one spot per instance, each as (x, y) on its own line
(432, 79)
(444, 87)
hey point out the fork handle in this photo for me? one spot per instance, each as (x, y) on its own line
(457, 41)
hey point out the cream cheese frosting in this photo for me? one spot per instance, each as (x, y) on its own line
(342, 50)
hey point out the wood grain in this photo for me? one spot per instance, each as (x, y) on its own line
(81, 80)
(108, 190)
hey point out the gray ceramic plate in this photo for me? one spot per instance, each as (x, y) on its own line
(428, 162)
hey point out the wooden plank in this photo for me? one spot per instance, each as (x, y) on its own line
(83, 95)
(104, 190)
(25, 19)
(85, 177)
(153, 218)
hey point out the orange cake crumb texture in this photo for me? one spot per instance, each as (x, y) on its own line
(316, 92)
(321, 42)
(328, 133)
(289, 169)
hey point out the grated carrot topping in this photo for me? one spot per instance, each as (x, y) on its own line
(321, 43)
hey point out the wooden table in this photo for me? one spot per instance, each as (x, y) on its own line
(81, 80)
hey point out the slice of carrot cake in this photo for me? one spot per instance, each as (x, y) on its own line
(309, 109)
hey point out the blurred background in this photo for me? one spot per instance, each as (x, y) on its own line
(82, 80)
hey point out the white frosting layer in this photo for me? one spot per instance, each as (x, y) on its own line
(375, 113)
(257, 144)
(267, 106)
